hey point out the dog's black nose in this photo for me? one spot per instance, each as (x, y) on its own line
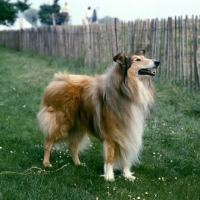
(156, 62)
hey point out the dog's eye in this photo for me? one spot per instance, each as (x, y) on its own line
(137, 59)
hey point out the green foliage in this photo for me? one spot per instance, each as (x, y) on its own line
(46, 11)
(22, 6)
(8, 13)
(45, 14)
(170, 159)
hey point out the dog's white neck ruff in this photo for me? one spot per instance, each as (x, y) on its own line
(132, 144)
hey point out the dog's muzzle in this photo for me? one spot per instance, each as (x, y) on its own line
(149, 71)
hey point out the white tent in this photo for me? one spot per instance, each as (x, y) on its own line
(3, 27)
(20, 23)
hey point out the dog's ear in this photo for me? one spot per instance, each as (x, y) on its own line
(125, 62)
(120, 58)
(140, 52)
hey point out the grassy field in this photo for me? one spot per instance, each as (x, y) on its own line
(170, 159)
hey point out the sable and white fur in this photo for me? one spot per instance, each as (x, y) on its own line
(111, 107)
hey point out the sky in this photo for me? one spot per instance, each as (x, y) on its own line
(127, 10)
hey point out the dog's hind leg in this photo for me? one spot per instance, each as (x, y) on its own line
(73, 148)
(47, 121)
(77, 141)
(47, 150)
(109, 153)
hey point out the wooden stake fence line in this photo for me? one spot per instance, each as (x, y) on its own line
(173, 41)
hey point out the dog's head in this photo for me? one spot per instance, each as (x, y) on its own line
(137, 64)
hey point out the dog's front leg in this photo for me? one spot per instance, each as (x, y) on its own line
(109, 153)
(127, 173)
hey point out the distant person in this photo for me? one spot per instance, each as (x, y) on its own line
(89, 15)
(85, 21)
(65, 13)
(94, 17)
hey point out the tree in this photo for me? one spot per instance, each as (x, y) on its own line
(106, 19)
(22, 6)
(31, 16)
(46, 11)
(45, 14)
(8, 11)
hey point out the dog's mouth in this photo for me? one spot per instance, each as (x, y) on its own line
(147, 72)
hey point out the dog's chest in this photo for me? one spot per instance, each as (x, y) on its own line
(145, 95)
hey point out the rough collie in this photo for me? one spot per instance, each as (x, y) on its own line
(111, 107)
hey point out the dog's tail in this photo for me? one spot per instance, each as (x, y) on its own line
(47, 120)
(61, 76)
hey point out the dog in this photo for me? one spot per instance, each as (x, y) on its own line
(111, 107)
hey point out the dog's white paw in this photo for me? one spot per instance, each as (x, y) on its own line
(82, 164)
(130, 177)
(49, 165)
(128, 174)
(108, 172)
(108, 177)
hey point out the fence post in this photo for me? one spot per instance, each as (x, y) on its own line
(170, 48)
(53, 19)
(88, 43)
(116, 39)
(176, 47)
(164, 49)
(132, 37)
(186, 50)
(152, 37)
(181, 51)
(90, 38)
(196, 69)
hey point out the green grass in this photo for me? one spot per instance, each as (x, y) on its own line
(170, 159)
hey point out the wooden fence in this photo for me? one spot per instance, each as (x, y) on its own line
(173, 41)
